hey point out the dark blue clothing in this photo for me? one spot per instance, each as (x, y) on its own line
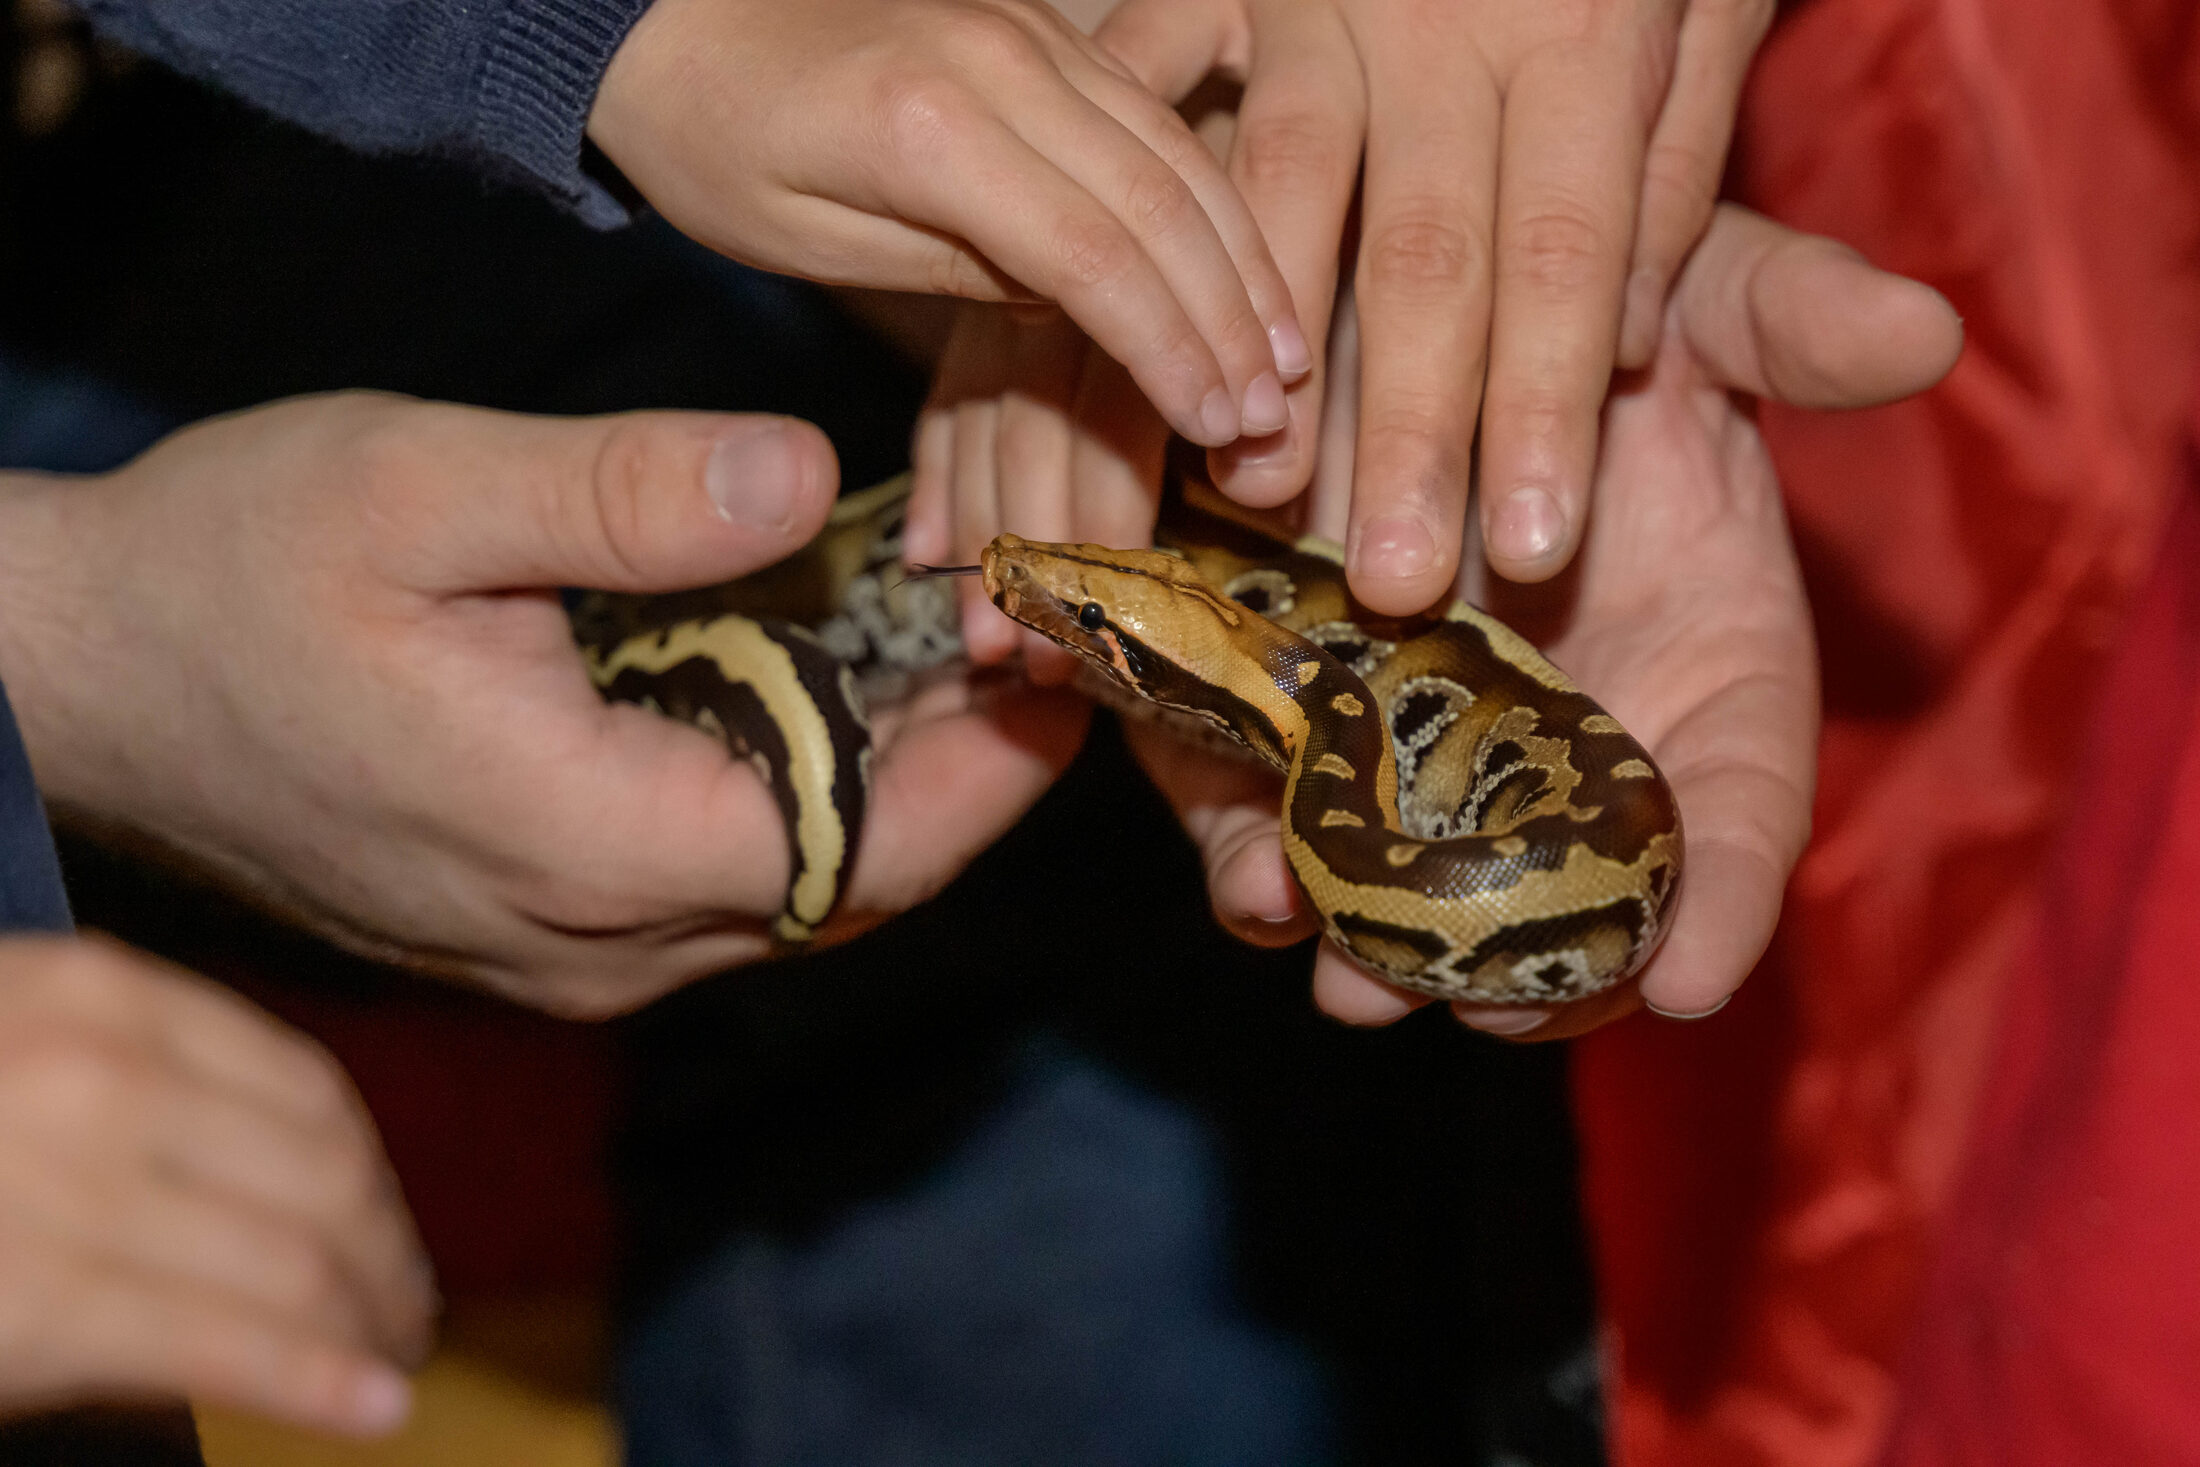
(503, 86)
(31, 895)
(1057, 1292)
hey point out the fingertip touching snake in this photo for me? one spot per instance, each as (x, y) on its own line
(1466, 822)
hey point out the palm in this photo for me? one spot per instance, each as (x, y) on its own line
(1685, 617)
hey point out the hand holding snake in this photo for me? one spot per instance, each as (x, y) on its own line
(1686, 618)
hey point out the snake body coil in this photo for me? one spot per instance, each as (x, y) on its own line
(1465, 820)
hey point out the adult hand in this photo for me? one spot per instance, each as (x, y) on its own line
(980, 148)
(1527, 170)
(1685, 617)
(316, 648)
(192, 1202)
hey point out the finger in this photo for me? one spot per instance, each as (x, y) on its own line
(1171, 46)
(1728, 910)
(1051, 233)
(988, 636)
(1580, 1016)
(955, 777)
(1422, 284)
(1033, 448)
(1328, 507)
(170, 1229)
(1350, 994)
(1141, 161)
(1571, 173)
(632, 502)
(973, 368)
(927, 525)
(1687, 158)
(134, 1333)
(1296, 159)
(1228, 807)
(1807, 320)
(1285, 348)
(1116, 457)
(332, 1181)
(203, 1026)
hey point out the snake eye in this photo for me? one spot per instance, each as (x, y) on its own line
(1091, 617)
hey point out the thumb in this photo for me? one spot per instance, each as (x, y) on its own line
(1808, 321)
(653, 501)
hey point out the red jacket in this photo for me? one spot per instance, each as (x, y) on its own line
(1928, 1192)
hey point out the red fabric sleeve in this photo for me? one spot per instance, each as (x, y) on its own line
(1766, 1189)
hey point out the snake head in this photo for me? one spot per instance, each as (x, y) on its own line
(1114, 608)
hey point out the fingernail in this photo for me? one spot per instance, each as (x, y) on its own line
(1527, 525)
(381, 1400)
(1508, 1022)
(1259, 453)
(1395, 546)
(1218, 418)
(1682, 1018)
(1265, 410)
(754, 477)
(1288, 345)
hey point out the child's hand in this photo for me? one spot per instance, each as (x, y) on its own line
(1596, 116)
(981, 148)
(192, 1202)
(1531, 174)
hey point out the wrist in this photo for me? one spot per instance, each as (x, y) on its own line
(47, 642)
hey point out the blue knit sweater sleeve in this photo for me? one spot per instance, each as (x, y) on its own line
(502, 85)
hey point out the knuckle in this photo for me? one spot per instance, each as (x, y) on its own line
(1419, 253)
(921, 116)
(1416, 443)
(316, 1082)
(1091, 252)
(301, 1276)
(351, 1181)
(1558, 252)
(69, 1081)
(381, 449)
(988, 42)
(1287, 151)
(1158, 203)
(618, 495)
(953, 272)
(1530, 415)
(1681, 186)
(1176, 144)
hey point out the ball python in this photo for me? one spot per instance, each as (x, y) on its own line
(1467, 823)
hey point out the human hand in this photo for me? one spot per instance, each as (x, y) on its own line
(981, 148)
(1684, 617)
(1032, 429)
(193, 1201)
(1534, 173)
(316, 649)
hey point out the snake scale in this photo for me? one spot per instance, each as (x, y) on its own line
(1466, 821)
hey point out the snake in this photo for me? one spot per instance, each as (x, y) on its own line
(1464, 820)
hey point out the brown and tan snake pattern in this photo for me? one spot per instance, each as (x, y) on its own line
(1465, 820)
